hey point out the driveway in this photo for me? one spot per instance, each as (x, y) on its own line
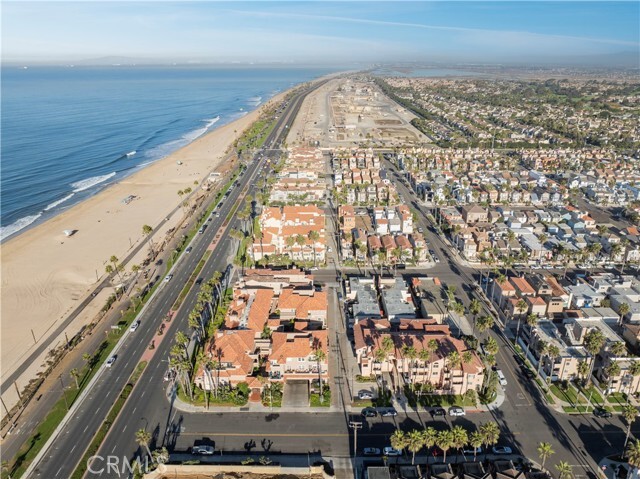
(296, 394)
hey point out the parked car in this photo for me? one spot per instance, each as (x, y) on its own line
(501, 450)
(437, 411)
(470, 450)
(365, 395)
(456, 411)
(602, 412)
(528, 373)
(369, 412)
(203, 450)
(110, 361)
(169, 375)
(134, 325)
(389, 451)
(371, 451)
(168, 278)
(389, 412)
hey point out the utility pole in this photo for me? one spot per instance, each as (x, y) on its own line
(64, 394)
(355, 426)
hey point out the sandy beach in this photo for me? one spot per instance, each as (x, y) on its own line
(46, 274)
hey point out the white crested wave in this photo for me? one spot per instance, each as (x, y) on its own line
(255, 99)
(89, 182)
(60, 201)
(163, 150)
(131, 153)
(6, 231)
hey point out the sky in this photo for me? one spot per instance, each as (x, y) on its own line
(321, 31)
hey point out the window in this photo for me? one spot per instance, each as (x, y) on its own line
(301, 359)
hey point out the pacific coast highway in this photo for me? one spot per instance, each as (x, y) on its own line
(59, 458)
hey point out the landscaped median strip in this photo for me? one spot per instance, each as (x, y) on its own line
(102, 432)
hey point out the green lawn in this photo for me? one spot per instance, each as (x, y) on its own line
(592, 391)
(314, 399)
(577, 409)
(569, 395)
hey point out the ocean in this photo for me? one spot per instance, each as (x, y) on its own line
(68, 132)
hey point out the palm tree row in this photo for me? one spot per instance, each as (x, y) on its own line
(455, 438)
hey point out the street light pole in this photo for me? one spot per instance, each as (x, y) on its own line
(355, 426)
(64, 395)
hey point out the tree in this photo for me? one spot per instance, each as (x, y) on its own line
(143, 438)
(75, 374)
(490, 434)
(618, 349)
(484, 323)
(593, 342)
(410, 353)
(521, 307)
(564, 470)
(161, 456)
(460, 438)
(314, 236)
(544, 451)
(445, 442)
(146, 232)
(474, 309)
(629, 413)
(114, 260)
(623, 310)
(583, 370)
(398, 440)
(543, 350)
(429, 437)
(612, 370)
(414, 443)
(633, 454)
(320, 356)
(553, 352)
(475, 440)
(491, 346)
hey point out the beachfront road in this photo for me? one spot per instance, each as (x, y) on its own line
(144, 403)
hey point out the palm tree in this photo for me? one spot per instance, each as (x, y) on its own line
(490, 434)
(623, 310)
(583, 370)
(475, 441)
(398, 440)
(618, 349)
(410, 353)
(146, 231)
(414, 443)
(629, 413)
(143, 438)
(320, 356)
(183, 341)
(474, 309)
(564, 470)
(544, 451)
(593, 342)
(521, 307)
(314, 236)
(633, 454)
(532, 321)
(543, 349)
(161, 456)
(114, 260)
(445, 442)
(484, 323)
(612, 370)
(429, 437)
(460, 438)
(75, 374)
(491, 346)
(553, 352)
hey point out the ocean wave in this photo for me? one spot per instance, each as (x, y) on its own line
(255, 99)
(164, 149)
(6, 231)
(90, 182)
(131, 153)
(58, 202)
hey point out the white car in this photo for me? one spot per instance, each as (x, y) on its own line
(365, 395)
(469, 450)
(203, 450)
(168, 278)
(501, 379)
(389, 451)
(134, 325)
(456, 411)
(110, 361)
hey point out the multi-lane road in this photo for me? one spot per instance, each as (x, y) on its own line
(145, 405)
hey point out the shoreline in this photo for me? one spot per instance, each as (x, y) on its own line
(45, 274)
(51, 210)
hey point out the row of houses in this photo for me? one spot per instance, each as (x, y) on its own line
(301, 179)
(274, 328)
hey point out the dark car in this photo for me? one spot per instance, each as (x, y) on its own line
(528, 373)
(602, 412)
(369, 412)
(438, 411)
